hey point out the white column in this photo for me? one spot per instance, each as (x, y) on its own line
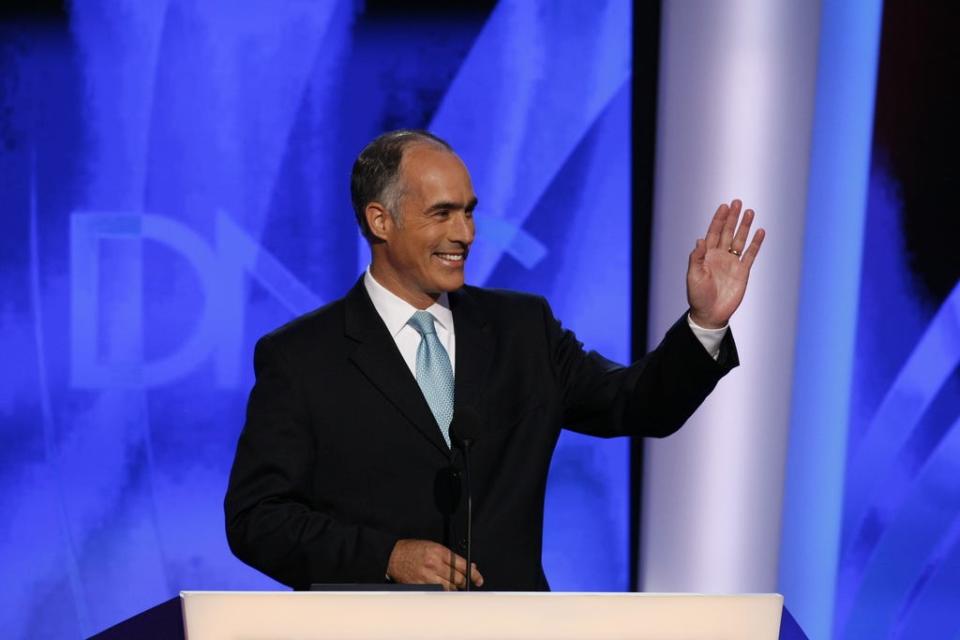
(735, 112)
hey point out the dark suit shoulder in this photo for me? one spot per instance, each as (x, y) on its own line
(505, 300)
(488, 294)
(308, 328)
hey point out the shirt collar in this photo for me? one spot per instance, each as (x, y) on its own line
(395, 311)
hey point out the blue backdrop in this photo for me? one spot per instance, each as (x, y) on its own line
(174, 183)
(899, 567)
(883, 560)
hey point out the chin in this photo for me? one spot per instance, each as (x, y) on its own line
(453, 285)
(448, 284)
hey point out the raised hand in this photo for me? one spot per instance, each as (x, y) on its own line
(426, 562)
(720, 266)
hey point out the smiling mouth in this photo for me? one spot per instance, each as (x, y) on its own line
(452, 258)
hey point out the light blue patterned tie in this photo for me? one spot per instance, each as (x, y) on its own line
(434, 373)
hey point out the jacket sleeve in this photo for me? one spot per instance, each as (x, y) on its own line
(270, 520)
(654, 396)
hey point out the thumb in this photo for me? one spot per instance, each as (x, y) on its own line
(698, 254)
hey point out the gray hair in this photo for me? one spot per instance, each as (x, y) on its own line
(376, 172)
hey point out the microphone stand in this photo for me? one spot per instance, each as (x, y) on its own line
(464, 429)
(466, 471)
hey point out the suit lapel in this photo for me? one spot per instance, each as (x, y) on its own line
(475, 345)
(377, 356)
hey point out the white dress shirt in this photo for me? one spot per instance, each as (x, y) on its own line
(395, 312)
(709, 338)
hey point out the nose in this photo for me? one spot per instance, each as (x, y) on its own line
(462, 228)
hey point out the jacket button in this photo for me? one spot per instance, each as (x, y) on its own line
(462, 544)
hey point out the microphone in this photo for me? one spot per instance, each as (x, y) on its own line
(465, 427)
(464, 430)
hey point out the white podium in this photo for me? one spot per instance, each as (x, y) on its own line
(217, 615)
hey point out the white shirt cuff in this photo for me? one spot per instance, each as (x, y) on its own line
(709, 338)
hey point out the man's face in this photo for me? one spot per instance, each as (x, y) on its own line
(426, 249)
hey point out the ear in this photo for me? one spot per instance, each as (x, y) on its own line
(379, 220)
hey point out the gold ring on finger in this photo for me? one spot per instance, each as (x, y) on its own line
(734, 252)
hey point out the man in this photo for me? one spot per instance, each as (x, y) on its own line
(347, 431)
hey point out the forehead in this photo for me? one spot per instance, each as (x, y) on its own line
(432, 171)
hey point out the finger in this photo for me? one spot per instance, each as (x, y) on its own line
(698, 254)
(740, 239)
(716, 226)
(477, 578)
(751, 253)
(454, 577)
(729, 224)
(457, 562)
(445, 584)
(447, 573)
(459, 580)
(457, 568)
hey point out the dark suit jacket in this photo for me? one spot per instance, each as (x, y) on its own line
(340, 453)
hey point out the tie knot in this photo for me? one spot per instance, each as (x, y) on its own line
(422, 322)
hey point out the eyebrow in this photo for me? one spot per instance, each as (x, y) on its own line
(470, 206)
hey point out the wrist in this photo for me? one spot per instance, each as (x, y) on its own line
(706, 323)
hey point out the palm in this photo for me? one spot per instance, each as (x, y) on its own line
(717, 277)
